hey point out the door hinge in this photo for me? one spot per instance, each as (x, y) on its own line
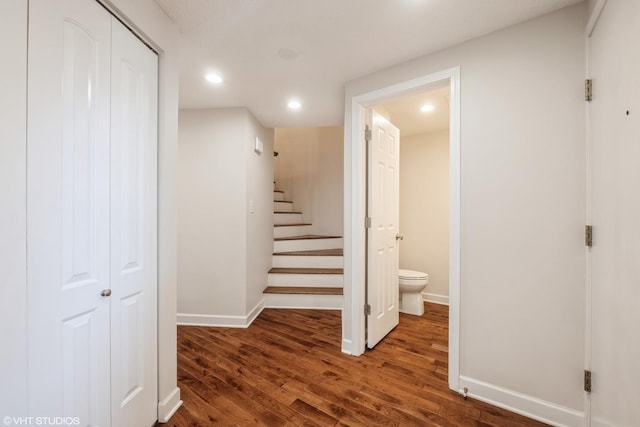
(367, 133)
(588, 235)
(587, 381)
(367, 222)
(367, 309)
(588, 90)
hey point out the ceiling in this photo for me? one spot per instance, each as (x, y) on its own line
(405, 113)
(269, 51)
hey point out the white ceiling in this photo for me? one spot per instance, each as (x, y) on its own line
(271, 50)
(405, 112)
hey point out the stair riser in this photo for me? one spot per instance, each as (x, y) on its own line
(304, 261)
(306, 244)
(279, 218)
(318, 302)
(282, 207)
(293, 230)
(307, 280)
(278, 196)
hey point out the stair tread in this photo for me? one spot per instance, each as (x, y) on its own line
(291, 225)
(286, 212)
(282, 201)
(306, 237)
(278, 191)
(302, 290)
(306, 271)
(320, 252)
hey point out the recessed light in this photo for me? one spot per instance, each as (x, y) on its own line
(294, 104)
(214, 78)
(427, 108)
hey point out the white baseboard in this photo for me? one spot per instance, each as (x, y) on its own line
(253, 314)
(347, 346)
(221, 321)
(304, 301)
(435, 298)
(169, 405)
(537, 409)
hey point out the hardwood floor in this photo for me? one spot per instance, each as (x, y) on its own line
(286, 369)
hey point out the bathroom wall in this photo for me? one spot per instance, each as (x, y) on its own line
(309, 169)
(424, 209)
(224, 250)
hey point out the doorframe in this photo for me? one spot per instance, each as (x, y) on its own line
(355, 211)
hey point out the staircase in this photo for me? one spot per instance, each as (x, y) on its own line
(307, 269)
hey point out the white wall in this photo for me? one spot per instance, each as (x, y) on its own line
(424, 209)
(212, 234)
(523, 211)
(224, 250)
(13, 280)
(259, 216)
(309, 169)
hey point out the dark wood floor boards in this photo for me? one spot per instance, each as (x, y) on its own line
(287, 370)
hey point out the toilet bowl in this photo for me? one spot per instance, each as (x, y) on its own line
(411, 284)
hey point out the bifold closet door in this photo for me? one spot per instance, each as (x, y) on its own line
(133, 230)
(91, 217)
(69, 73)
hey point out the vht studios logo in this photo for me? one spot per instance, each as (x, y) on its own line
(41, 421)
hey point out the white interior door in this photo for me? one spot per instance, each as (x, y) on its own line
(134, 75)
(68, 209)
(615, 266)
(382, 243)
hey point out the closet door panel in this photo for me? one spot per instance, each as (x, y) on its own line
(68, 209)
(615, 270)
(133, 229)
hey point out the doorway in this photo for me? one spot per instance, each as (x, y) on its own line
(423, 121)
(355, 210)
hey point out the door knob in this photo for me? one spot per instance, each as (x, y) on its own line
(399, 236)
(105, 293)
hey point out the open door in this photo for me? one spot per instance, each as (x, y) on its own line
(615, 201)
(383, 161)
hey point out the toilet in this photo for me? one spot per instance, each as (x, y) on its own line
(411, 284)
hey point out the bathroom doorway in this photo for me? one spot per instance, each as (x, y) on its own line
(423, 121)
(354, 341)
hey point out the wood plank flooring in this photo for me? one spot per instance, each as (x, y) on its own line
(286, 369)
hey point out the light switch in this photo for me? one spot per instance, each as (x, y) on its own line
(259, 146)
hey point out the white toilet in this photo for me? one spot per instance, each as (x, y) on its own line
(411, 285)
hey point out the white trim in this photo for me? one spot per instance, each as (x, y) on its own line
(435, 298)
(355, 192)
(593, 18)
(169, 405)
(522, 404)
(221, 321)
(345, 345)
(304, 301)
